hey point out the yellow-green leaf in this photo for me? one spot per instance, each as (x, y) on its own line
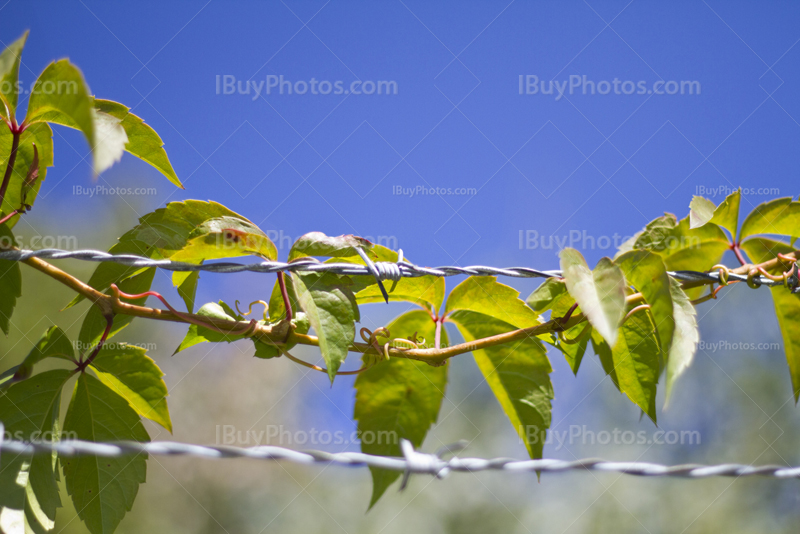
(780, 216)
(131, 374)
(398, 399)
(518, 373)
(599, 293)
(9, 76)
(484, 294)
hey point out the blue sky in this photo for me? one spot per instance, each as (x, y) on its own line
(600, 164)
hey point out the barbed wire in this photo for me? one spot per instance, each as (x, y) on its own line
(380, 270)
(412, 461)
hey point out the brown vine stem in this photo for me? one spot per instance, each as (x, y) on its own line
(282, 333)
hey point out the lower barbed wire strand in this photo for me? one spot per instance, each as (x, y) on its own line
(413, 461)
(385, 270)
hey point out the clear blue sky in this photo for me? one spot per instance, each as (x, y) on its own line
(600, 164)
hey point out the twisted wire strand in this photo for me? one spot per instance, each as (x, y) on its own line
(382, 270)
(413, 462)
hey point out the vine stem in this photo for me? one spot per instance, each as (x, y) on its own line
(281, 333)
(738, 252)
(86, 363)
(287, 304)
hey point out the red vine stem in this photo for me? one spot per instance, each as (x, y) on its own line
(287, 304)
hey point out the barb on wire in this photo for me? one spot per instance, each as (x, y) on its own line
(392, 271)
(412, 462)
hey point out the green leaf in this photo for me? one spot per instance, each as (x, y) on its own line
(573, 352)
(60, 91)
(599, 293)
(143, 141)
(332, 311)
(762, 249)
(29, 411)
(780, 216)
(787, 308)
(727, 214)
(131, 374)
(319, 244)
(54, 343)
(484, 294)
(681, 247)
(646, 272)
(685, 338)
(632, 363)
(103, 489)
(10, 282)
(190, 231)
(787, 305)
(186, 282)
(9, 76)
(94, 323)
(41, 136)
(547, 294)
(398, 399)
(701, 211)
(518, 373)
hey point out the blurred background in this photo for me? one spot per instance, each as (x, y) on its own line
(464, 133)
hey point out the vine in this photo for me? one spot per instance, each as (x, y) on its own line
(640, 321)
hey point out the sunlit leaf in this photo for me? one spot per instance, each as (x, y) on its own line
(398, 399)
(41, 136)
(518, 373)
(727, 214)
(780, 216)
(599, 293)
(684, 341)
(319, 244)
(143, 141)
(103, 489)
(646, 272)
(484, 294)
(186, 282)
(131, 374)
(191, 231)
(9, 76)
(332, 311)
(701, 211)
(60, 91)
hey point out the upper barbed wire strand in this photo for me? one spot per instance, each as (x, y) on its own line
(384, 271)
